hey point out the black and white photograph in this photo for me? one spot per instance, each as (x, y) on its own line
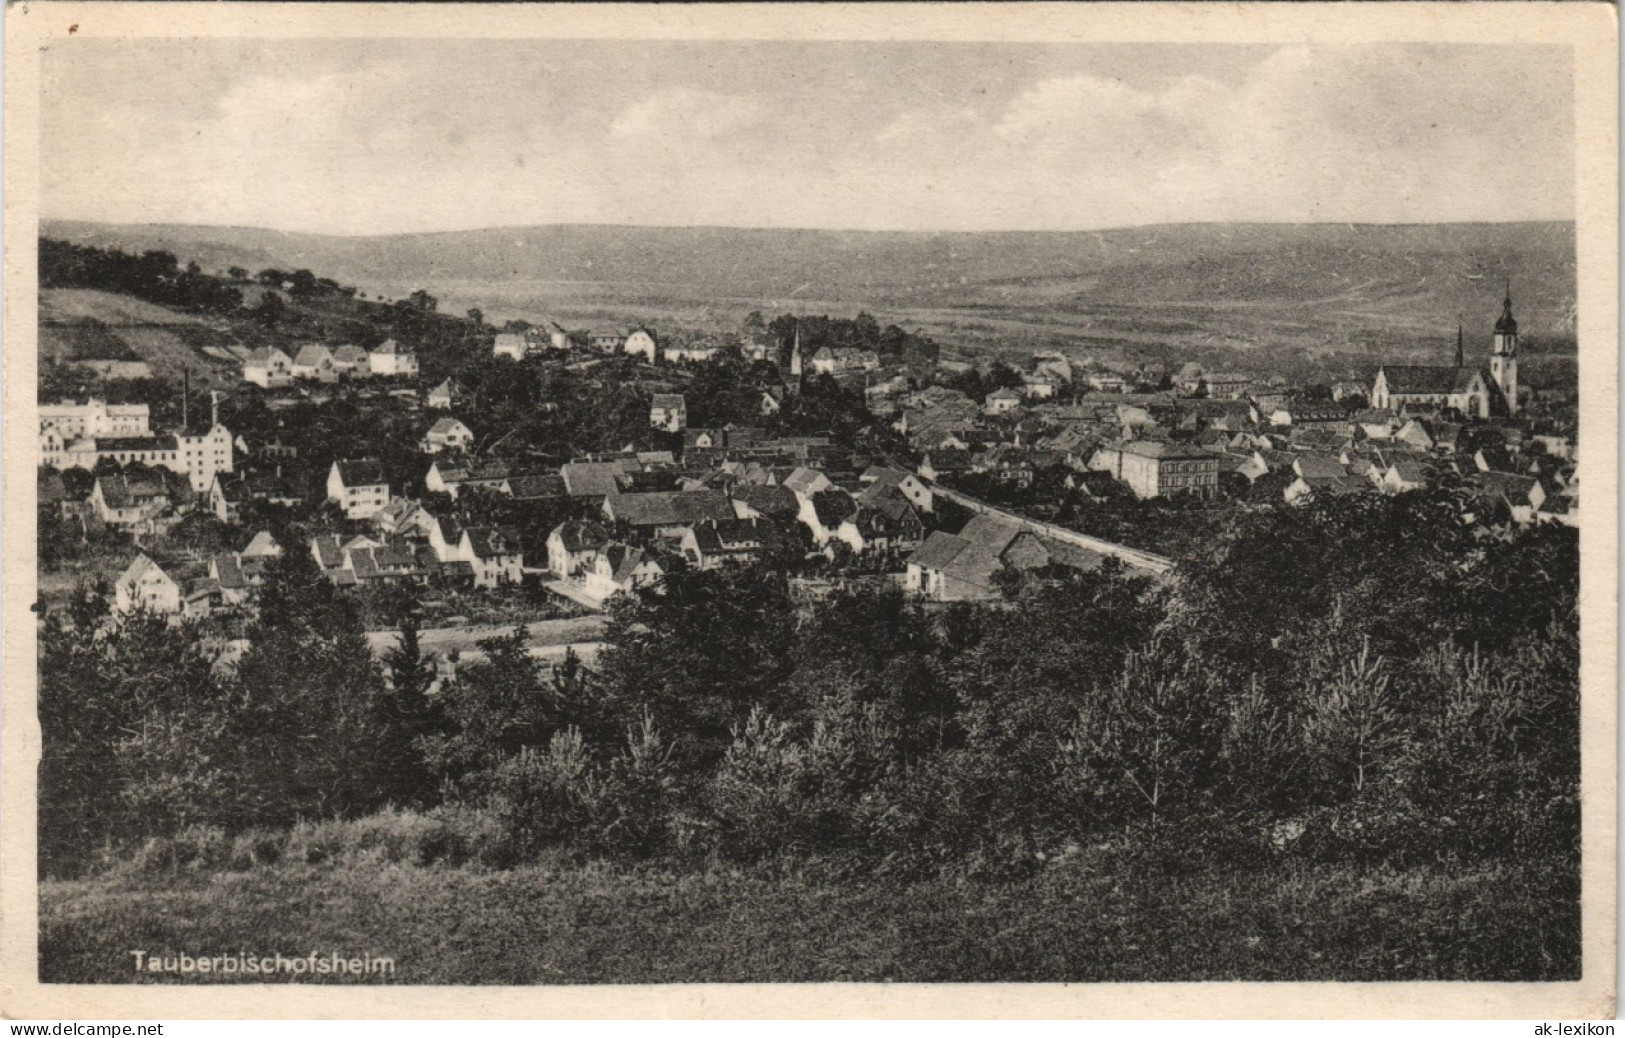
(560, 509)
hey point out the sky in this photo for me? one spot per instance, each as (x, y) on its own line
(393, 136)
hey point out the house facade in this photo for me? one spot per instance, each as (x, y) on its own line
(392, 359)
(145, 586)
(268, 368)
(359, 487)
(1154, 469)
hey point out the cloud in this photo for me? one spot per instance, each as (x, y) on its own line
(1080, 116)
(672, 116)
(931, 140)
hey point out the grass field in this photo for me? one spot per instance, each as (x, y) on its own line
(75, 305)
(1077, 921)
(82, 323)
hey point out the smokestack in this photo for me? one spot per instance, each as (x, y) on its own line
(186, 397)
(214, 408)
(1460, 353)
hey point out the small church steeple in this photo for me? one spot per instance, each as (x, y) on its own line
(1507, 325)
(795, 353)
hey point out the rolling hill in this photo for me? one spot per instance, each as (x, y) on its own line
(1337, 292)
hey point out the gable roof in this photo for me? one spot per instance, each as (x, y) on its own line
(803, 480)
(832, 506)
(328, 552)
(534, 488)
(362, 472)
(313, 355)
(888, 500)
(1164, 451)
(263, 544)
(992, 532)
(446, 426)
(491, 542)
(669, 508)
(1320, 466)
(264, 355)
(390, 348)
(228, 572)
(668, 402)
(1506, 484)
(771, 501)
(1409, 469)
(139, 567)
(591, 478)
(1427, 380)
(885, 475)
(124, 492)
(580, 535)
(939, 550)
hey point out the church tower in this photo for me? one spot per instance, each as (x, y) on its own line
(795, 354)
(1504, 355)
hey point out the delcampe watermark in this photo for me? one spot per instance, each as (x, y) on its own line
(248, 964)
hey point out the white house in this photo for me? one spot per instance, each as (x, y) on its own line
(447, 434)
(268, 368)
(572, 545)
(669, 412)
(351, 360)
(315, 362)
(447, 395)
(618, 568)
(393, 359)
(1001, 401)
(494, 554)
(641, 343)
(145, 585)
(359, 487)
(510, 345)
(918, 494)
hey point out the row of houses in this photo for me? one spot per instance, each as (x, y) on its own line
(270, 368)
(228, 581)
(637, 342)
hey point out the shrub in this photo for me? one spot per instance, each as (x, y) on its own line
(630, 803)
(538, 797)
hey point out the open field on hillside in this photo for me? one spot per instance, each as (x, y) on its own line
(82, 342)
(76, 305)
(84, 324)
(1076, 921)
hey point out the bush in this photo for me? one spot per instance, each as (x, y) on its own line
(539, 796)
(195, 848)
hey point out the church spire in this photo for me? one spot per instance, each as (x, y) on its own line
(795, 355)
(1507, 325)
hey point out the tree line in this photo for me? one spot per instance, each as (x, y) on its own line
(154, 275)
(1356, 681)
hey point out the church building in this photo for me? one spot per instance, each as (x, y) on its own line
(1476, 392)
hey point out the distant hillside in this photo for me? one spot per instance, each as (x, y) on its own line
(1352, 290)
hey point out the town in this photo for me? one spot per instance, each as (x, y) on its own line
(742, 503)
(837, 451)
(337, 583)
